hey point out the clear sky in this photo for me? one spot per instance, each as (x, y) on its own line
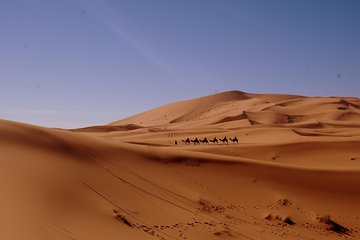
(72, 63)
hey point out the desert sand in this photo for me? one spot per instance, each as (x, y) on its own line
(294, 173)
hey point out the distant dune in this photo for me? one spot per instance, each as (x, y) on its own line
(269, 109)
(294, 173)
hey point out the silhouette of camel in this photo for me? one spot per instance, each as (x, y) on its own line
(224, 140)
(187, 141)
(214, 140)
(195, 141)
(204, 141)
(234, 139)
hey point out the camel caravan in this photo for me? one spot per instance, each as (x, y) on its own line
(197, 141)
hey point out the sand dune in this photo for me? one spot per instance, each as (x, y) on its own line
(294, 173)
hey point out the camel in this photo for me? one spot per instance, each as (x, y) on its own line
(187, 141)
(195, 141)
(204, 141)
(224, 140)
(234, 139)
(214, 140)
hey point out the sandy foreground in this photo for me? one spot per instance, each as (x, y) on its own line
(294, 173)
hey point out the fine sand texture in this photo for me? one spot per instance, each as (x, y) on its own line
(294, 173)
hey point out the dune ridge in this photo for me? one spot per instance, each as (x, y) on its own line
(272, 109)
(294, 173)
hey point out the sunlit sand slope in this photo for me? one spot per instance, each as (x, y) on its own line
(294, 173)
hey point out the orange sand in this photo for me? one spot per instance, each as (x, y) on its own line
(297, 163)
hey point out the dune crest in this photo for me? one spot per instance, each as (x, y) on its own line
(266, 109)
(294, 173)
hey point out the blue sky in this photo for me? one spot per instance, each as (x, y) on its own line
(73, 63)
